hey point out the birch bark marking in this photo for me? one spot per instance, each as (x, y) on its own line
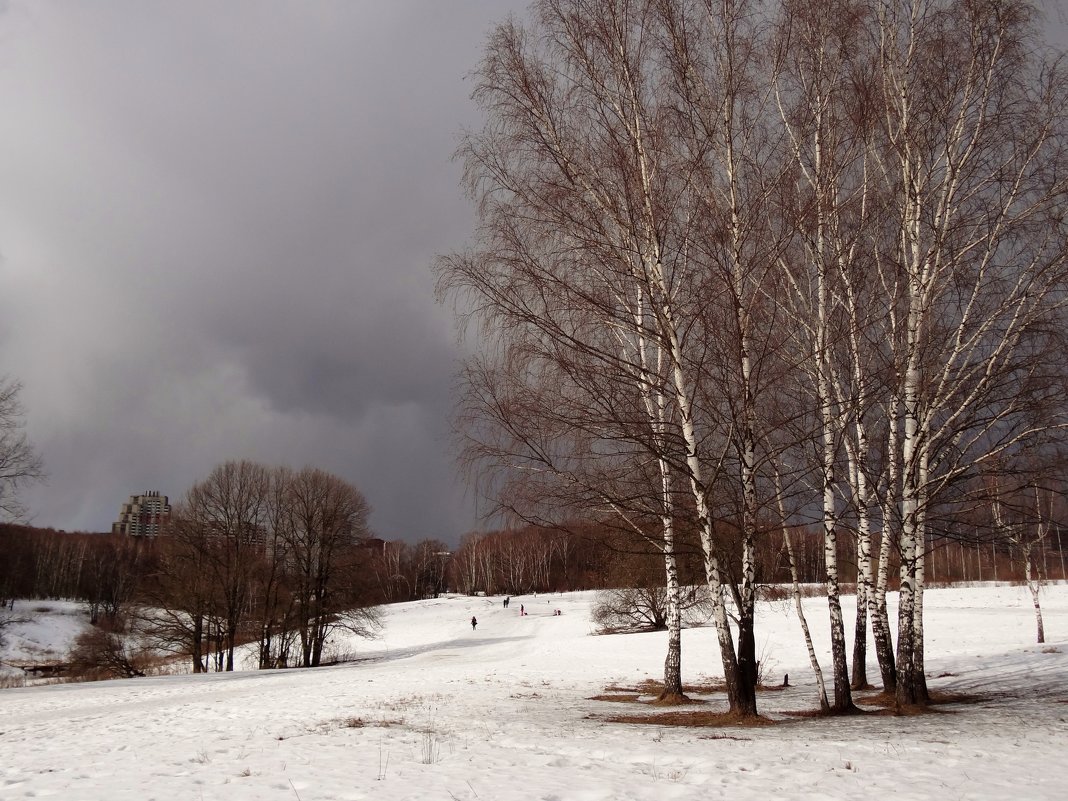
(1042, 525)
(673, 689)
(857, 453)
(739, 703)
(843, 700)
(897, 60)
(1033, 586)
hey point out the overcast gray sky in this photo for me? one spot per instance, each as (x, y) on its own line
(217, 221)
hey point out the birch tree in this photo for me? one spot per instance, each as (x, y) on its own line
(579, 207)
(821, 109)
(717, 53)
(1024, 520)
(719, 234)
(971, 157)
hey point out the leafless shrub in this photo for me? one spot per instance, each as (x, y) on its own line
(430, 746)
(641, 608)
(99, 654)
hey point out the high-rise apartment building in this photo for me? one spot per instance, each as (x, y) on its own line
(143, 515)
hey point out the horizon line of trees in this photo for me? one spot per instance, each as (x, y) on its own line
(108, 572)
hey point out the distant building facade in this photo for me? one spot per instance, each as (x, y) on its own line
(143, 515)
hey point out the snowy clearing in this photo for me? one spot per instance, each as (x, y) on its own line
(438, 711)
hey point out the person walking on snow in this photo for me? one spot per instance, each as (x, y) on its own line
(474, 622)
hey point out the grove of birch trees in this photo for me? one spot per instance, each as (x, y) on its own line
(744, 266)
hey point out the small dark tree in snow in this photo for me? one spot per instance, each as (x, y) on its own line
(19, 462)
(101, 654)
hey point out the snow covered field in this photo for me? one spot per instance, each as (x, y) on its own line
(438, 711)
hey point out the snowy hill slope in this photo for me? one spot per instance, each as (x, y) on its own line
(438, 711)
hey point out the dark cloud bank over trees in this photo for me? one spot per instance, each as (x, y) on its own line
(216, 226)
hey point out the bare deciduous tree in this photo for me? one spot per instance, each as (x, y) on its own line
(324, 519)
(19, 462)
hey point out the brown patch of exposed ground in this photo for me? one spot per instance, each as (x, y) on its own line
(652, 687)
(617, 698)
(634, 696)
(673, 699)
(886, 703)
(692, 718)
(869, 703)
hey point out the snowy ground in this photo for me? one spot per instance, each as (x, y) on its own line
(41, 632)
(437, 711)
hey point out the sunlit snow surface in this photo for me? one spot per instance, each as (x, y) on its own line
(435, 710)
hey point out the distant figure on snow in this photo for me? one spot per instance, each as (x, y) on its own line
(522, 610)
(474, 622)
(506, 602)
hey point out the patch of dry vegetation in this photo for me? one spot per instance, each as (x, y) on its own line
(674, 699)
(12, 681)
(697, 718)
(360, 723)
(886, 703)
(617, 698)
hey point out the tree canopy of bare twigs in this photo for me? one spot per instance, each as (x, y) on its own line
(19, 462)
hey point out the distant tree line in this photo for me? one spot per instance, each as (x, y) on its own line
(109, 572)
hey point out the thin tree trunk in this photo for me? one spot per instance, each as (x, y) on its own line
(817, 671)
(1033, 586)
(859, 680)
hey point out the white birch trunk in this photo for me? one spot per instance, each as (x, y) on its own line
(656, 410)
(1033, 586)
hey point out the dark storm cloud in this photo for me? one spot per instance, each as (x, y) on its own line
(216, 226)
